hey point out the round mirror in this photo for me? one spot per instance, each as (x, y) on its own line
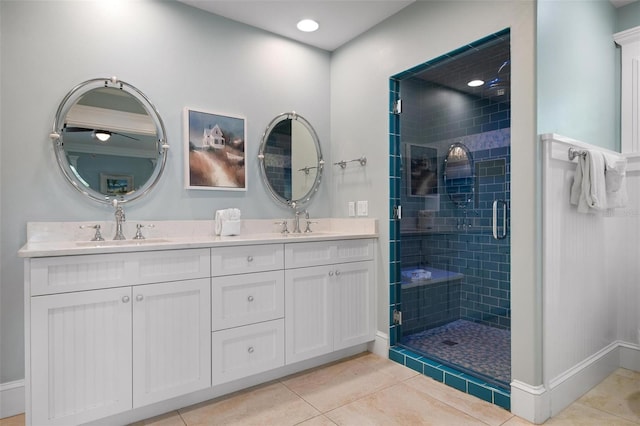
(109, 141)
(458, 175)
(291, 160)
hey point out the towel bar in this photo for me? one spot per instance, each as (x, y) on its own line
(573, 153)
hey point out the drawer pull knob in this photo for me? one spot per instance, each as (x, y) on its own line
(330, 273)
(250, 349)
(249, 258)
(337, 273)
(250, 298)
(139, 298)
(125, 299)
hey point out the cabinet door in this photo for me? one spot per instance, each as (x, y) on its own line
(353, 304)
(80, 356)
(308, 322)
(171, 340)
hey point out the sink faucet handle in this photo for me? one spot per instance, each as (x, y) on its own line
(309, 223)
(283, 223)
(98, 235)
(139, 227)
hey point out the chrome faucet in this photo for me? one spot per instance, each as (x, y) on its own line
(120, 217)
(296, 223)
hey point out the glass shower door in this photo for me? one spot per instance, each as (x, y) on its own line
(453, 240)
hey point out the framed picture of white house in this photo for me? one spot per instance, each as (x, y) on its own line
(214, 151)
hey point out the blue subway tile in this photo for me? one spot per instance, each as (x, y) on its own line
(415, 364)
(396, 356)
(501, 399)
(480, 391)
(455, 382)
(434, 373)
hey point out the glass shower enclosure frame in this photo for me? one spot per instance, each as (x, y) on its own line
(449, 229)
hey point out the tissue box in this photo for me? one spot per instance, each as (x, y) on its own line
(229, 227)
(227, 222)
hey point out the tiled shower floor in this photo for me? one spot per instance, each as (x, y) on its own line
(474, 347)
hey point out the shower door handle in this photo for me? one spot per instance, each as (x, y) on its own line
(502, 235)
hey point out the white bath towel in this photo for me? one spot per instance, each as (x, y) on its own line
(588, 191)
(416, 274)
(615, 180)
(599, 182)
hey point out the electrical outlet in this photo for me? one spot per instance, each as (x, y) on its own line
(363, 208)
(352, 208)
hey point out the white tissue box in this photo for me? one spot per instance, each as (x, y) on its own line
(228, 228)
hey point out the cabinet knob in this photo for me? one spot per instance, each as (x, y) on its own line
(250, 298)
(337, 273)
(250, 349)
(249, 258)
(139, 297)
(330, 273)
(125, 299)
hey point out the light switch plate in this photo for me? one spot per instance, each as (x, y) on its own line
(352, 208)
(363, 208)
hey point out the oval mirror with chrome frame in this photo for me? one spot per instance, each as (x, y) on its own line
(291, 161)
(458, 175)
(109, 141)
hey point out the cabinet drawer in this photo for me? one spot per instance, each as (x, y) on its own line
(73, 273)
(244, 259)
(247, 298)
(244, 351)
(302, 255)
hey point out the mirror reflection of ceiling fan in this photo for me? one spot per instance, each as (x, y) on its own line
(101, 135)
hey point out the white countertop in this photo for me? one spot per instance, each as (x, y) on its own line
(46, 239)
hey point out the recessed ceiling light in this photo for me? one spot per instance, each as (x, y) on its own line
(308, 25)
(475, 83)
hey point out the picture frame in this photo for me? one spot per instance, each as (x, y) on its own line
(422, 170)
(214, 151)
(112, 184)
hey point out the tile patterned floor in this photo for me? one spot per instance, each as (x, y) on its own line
(475, 347)
(369, 390)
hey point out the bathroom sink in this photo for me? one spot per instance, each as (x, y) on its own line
(118, 243)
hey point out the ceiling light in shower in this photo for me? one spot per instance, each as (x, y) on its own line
(101, 135)
(475, 83)
(308, 25)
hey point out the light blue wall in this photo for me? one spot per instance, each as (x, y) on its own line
(180, 57)
(578, 71)
(360, 73)
(628, 16)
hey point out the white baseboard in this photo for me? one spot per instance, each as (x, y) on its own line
(578, 380)
(11, 398)
(529, 402)
(630, 356)
(380, 346)
(536, 404)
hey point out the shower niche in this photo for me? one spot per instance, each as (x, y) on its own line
(450, 258)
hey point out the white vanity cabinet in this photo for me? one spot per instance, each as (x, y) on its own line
(330, 306)
(99, 352)
(110, 332)
(247, 300)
